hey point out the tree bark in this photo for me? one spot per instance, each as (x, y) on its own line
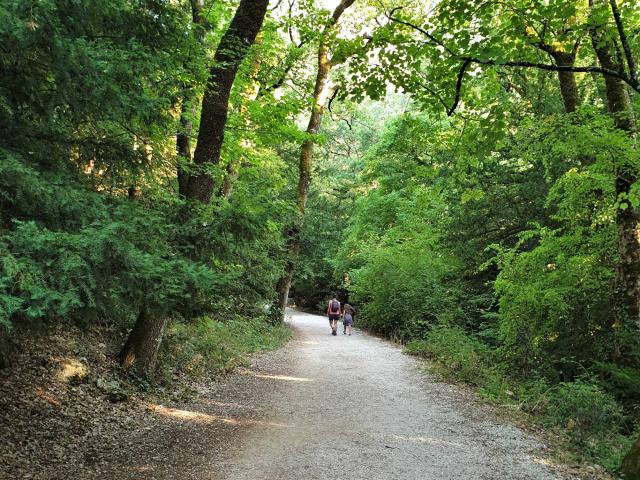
(229, 178)
(567, 79)
(6, 348)
(183, 144)
(140, 352)
(232, 49)
(284, 283)
(183, 136)
(631, 463)
(568, 87)
(627, 277)
(306, 160)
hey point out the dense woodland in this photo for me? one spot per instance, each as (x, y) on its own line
(464, 172)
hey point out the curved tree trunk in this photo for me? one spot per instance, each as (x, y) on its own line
(232, 49)
(631, 463)
(183, 143)
(140, 352)
(306, 160)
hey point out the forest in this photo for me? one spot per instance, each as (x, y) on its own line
(464, 172)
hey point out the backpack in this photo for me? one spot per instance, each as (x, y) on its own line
(334, 306)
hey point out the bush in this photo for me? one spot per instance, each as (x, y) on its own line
(554, 286)
(584, 409)
(462, 356)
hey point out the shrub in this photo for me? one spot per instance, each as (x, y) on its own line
(585, 409)
(462, 356)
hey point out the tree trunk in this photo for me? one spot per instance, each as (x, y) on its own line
(562, 58)
(631, 463)
(627, 278)
(568, 87)
(232, 49)
(183, 137)
(140, 352)
(284, 283)
(229, 178)
(183, 144)
(6, 348)
(306, 160)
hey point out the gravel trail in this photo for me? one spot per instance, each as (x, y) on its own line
(358, 408)
(322, 407)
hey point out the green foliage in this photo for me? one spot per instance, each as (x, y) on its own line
(332, 200)
(117, 256)
(493, 251)
(558, 284)
(466, 359)
(215, 347)
(93, 82)
(488, 240)
(584, 409)
(396, 304)
(90, 108)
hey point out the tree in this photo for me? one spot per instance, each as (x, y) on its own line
(140, 352)
(320, 94)
(232, 49)
(626, 300)
(141, 347)
(631, 463)
(454, 40)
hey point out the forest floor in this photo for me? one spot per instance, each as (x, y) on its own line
(322, 407)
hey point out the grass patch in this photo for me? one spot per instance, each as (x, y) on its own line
(209, 346)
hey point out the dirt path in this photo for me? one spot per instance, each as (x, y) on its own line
(324, 407)
(357, 408)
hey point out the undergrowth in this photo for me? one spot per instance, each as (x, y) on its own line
(589, 421)
(215, 347)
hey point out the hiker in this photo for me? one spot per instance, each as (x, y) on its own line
(333, 310)
(347, 318)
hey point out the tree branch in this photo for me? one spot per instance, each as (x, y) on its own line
(623, 40)
(434, 94)
(630, 79)
(419, 29)
(334, 94)
(561, 68)
(456, 100)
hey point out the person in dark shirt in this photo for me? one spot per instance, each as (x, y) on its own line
(333, 311)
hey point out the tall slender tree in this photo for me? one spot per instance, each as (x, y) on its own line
(627, 281)
(320, 94)
(183, 137)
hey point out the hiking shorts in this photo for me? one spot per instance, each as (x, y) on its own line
(334, 316)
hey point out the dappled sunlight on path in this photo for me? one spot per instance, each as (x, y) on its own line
(327, 407)
(358, 408)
